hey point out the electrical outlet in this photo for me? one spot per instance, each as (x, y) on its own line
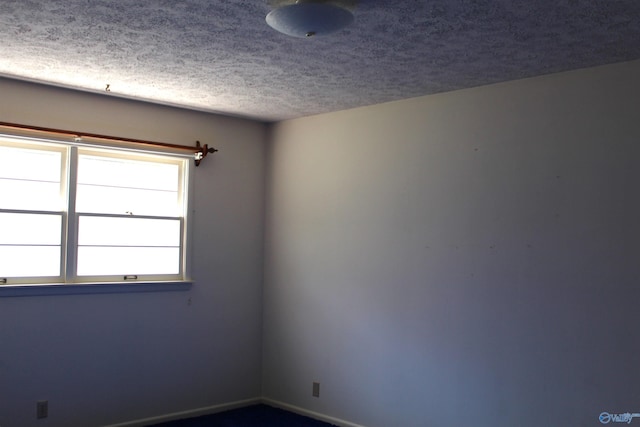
(42, 409)
(315, 390)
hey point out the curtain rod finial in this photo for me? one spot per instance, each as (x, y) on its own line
(202, 152)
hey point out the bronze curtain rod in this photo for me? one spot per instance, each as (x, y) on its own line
(199, 151)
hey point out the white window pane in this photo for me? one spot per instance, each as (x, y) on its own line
(29, 261)
(127, 173)
(116, 200)
(101, 261)
(30, 229)
(30, 195)
(105, 231)
(30, 179)
(32, 164)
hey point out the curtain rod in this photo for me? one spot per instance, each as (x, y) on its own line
(200, 151)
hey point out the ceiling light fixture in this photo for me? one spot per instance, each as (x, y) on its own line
(309, 18)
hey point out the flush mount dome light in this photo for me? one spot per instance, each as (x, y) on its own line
(309, 18)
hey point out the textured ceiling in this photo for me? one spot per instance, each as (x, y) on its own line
(220, 56)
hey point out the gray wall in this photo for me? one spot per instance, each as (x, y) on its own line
(468, 258)
(102, 359)
(463, 258)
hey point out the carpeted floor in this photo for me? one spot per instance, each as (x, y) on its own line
(251, 416)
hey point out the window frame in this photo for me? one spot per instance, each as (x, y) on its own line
(69, 278)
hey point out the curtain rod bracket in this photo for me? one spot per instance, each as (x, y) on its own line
(202, 152)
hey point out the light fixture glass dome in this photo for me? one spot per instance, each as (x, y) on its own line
(309, 19)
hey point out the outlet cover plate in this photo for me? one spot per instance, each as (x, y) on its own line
(42, 409)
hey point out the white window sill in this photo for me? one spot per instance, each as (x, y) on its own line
(92, 288)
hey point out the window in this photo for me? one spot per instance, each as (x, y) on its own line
(78, 214)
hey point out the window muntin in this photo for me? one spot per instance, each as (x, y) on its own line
(76, 214)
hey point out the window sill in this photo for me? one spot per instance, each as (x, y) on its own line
(92, 288)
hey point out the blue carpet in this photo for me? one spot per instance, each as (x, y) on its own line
(251, 416)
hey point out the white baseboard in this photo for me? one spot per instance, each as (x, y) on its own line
(189, 414)
(311, 414)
